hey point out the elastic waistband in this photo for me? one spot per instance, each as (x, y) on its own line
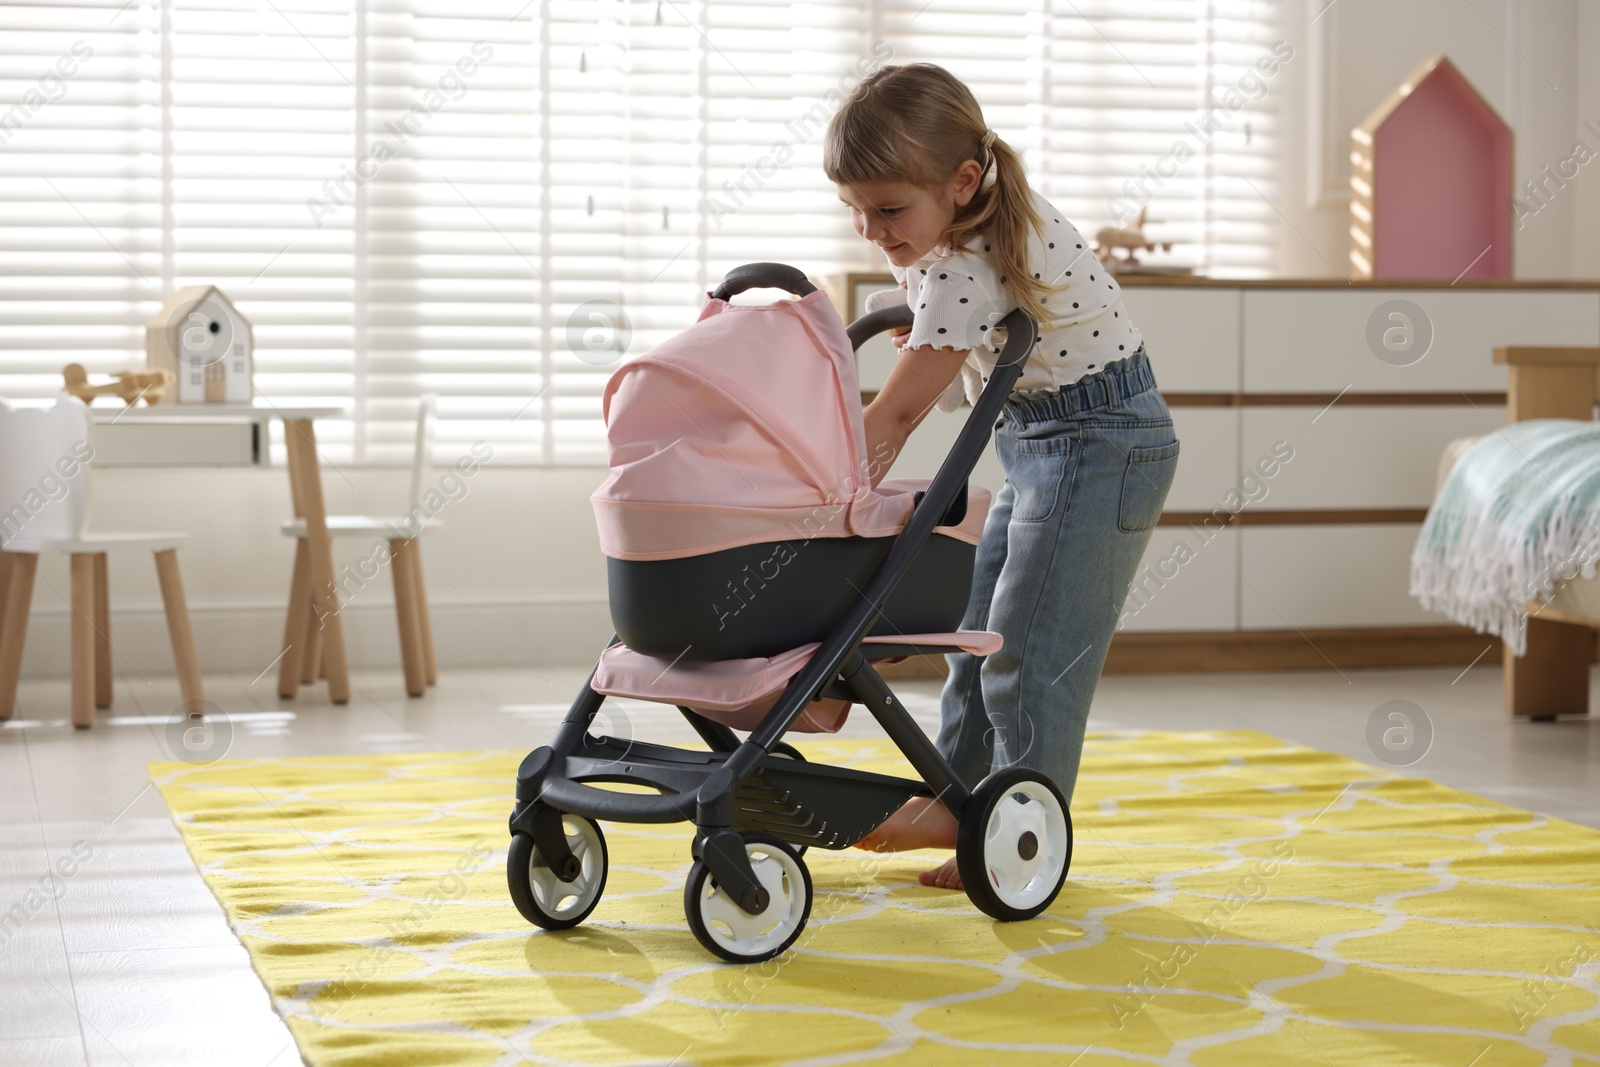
(1104, 389)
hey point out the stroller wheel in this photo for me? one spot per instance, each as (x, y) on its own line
(1014, 844)
(540, 894)
(731, 932)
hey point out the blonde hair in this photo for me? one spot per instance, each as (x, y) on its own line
(918, 123)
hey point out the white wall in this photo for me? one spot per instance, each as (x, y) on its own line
(1586, 201)
(515, 575)
(1533, 60)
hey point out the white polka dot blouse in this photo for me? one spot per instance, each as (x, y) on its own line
(958, 297)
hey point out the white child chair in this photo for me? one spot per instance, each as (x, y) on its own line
(44, 507)
(302, 633)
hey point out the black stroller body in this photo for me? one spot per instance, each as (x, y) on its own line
(756, 804)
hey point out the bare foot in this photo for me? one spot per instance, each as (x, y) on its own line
(944, 876)
(921, 822)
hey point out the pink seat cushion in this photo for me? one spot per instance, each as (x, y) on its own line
(739, 692)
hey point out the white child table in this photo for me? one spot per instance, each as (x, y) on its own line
(305, 487)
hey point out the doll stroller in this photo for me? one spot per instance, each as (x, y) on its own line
(755, 576)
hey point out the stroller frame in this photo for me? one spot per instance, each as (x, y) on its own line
(757, 804)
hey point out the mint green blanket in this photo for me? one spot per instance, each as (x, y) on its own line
(1518, 516)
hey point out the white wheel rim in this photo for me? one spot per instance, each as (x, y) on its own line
(563, 900)
(1026, 808)
(744, 934)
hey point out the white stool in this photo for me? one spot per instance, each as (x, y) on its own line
(91, 618)
(44, 480)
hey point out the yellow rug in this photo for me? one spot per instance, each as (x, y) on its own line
(1233, 899)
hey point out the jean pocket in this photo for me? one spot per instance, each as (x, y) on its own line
(1040, 472)
(1145, 484)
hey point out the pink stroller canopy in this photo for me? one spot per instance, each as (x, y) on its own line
(745, 428)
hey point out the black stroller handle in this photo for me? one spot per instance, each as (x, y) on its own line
(873, 323)
(763, 276)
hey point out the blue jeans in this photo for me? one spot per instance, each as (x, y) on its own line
(1087, 471)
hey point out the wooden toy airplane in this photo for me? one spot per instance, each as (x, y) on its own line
(129, 385)
(1130, 239)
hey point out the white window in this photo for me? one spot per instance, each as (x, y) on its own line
(452, 196)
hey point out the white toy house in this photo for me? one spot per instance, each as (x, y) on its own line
(207, 345)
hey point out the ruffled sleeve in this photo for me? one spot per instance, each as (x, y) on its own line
(957, 301)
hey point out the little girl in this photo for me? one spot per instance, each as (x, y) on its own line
(1086, 440)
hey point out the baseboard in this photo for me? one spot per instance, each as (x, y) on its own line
(1275, 650)
(1295, 650)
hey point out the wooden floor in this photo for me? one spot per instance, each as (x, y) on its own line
(128, 960)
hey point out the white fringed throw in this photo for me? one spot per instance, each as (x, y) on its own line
(1518, 516)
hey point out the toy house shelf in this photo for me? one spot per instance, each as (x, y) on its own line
(1430, 182)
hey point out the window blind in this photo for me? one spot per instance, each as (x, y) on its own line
(497, 201)
(1166, 106)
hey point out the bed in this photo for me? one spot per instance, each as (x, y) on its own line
(1552, 677)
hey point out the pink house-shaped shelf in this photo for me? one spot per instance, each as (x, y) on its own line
(1430, 182)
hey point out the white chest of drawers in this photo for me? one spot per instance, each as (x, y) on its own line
(1309, 567)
